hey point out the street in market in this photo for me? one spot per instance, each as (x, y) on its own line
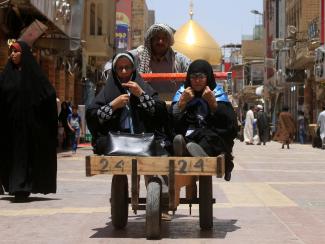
(275, 196)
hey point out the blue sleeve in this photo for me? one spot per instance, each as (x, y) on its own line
(178, 94)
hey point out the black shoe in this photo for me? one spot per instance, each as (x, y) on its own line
(179, 145)
(21, 196)
(227, 176)
(196, 150)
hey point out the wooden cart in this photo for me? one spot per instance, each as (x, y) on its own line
(154, 203)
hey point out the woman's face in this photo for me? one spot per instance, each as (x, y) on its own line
(198, 81)
(15, 56)
(124, 69)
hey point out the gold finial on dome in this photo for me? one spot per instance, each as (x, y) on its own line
(191, 9)
(195, 42)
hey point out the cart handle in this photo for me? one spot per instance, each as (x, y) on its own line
(176, 76)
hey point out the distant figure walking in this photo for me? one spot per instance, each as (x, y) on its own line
(262, 125)
(321, 124)
(286, 128)
(75, 125)
(249, 128)
(63, 119)
(301, 127)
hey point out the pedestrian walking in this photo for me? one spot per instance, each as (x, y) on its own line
(29, 126)
(302, 125)
(75, 125)
(286, 128)
(321, 125)
(249, 126)
(63, 119)
(262, 122)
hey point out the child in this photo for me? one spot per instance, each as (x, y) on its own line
(74, 123)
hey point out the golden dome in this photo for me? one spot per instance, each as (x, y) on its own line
(193, 41)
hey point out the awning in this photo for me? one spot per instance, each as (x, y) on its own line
(64, 23)
(259, 91)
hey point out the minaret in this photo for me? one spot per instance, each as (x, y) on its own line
(191, 9)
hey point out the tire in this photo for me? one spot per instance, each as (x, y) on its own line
(153, 210)
(206, 208)
(119, 201)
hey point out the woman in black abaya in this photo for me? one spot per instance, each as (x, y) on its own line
(203, 117)
(126, 96)
(28, 161)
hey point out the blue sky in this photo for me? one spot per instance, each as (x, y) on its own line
(225, 20)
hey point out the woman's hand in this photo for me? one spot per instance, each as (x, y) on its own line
(120, 101)
(187, 96)
(209, 96)
(134, 88)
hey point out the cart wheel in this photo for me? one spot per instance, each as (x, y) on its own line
(153, 210)
(119, 201)
(206, 211)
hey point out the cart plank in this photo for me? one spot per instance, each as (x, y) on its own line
(122, 165)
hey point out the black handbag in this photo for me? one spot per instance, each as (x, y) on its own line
(127, 144)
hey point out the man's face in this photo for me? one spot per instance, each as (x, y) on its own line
(160, 43)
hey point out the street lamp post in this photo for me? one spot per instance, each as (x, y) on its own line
(256, 12)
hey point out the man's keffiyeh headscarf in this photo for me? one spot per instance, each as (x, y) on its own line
(144, 66)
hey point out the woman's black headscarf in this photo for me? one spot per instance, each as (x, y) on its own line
(130, 57)
(36, 85)
(201, 66)
(112, 90)
(113, 87)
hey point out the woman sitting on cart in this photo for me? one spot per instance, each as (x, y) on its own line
(204, 124)
(126, 104)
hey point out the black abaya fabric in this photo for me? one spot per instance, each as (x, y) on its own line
(143, 121)
(29, 123)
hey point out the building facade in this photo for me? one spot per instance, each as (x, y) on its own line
(98, 47)
(294, 32)
(139, 22)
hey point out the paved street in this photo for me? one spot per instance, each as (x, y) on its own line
(275, 196)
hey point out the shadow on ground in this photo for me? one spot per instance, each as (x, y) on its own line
(29, 199)
(178, 228)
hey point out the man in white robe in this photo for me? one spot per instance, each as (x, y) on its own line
(249, 128)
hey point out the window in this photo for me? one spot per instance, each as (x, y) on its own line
(99, 19)
(92, 19)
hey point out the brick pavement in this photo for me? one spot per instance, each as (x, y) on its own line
(275, 196)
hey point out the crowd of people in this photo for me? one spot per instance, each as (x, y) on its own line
(256, 126)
